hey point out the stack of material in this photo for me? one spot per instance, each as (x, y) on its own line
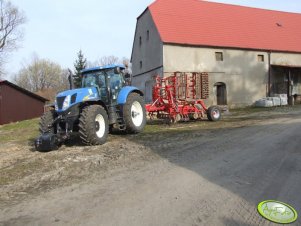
(264, 102)
(283, 99)
(276, 100)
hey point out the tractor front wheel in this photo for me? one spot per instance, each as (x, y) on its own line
(213, 113)
(93, 125)
(46, 122)
(134, 113)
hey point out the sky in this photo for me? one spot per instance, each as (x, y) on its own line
(58, 29)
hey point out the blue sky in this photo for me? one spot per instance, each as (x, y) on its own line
(57, 29)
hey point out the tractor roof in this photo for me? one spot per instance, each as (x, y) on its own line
(112, 66)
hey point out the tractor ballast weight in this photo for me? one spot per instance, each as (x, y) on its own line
(180, 96)
(103, 102)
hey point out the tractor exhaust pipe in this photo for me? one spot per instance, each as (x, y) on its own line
(70, 78)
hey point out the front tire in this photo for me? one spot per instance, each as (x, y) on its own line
(46, 122)
(93, 125)
(213, 113)
(134, 113)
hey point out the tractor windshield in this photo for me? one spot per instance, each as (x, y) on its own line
(98, 79)
(94, 79)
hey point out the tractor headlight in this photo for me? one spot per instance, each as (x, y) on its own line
(66, 102)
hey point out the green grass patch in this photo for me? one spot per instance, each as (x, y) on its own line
(250, 110)
(20, 132)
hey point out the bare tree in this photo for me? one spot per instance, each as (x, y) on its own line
(11, 18)
(127, 63)
(105, 60)
(109, 60)
(43, 77)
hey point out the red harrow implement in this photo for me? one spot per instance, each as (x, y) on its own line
(180, 98)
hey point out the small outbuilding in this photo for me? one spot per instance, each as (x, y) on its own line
(17, 104)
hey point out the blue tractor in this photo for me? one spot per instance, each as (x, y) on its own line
(102, 103)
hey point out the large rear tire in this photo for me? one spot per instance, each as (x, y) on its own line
(46, 122)
(213, 113)
(93, 125)
(134, 113)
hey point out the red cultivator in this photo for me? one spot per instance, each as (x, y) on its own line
(180, 98)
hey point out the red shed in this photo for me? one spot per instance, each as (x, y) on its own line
(17, 104)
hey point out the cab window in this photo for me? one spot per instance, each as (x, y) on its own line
(94, 80)
(116, 80)
(116, 84)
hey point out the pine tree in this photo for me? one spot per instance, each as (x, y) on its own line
(79, 65)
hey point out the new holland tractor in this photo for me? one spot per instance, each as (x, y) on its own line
(103, 102)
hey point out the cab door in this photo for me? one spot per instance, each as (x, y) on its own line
(116, 84)
(102, 87)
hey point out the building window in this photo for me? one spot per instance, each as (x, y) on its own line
(147, 35)
(219, 56)
(140, 64)
(140, 41)
(260, 58)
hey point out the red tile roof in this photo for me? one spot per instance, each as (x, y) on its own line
(201, 23)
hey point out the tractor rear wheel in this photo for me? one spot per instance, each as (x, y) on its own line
(93, 125)
(134, 113)
(46, 121)
(213, 113)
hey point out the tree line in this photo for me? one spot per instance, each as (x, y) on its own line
(46, 78)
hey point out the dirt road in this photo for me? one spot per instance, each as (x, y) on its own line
(183, 175)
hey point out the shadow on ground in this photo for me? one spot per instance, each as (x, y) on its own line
(255, 162)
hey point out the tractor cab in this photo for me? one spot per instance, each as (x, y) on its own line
(108, 80)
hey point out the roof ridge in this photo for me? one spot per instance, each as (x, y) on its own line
(23, 90)
(243, 6)
(228, 4)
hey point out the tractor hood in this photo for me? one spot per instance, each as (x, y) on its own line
(68, 98)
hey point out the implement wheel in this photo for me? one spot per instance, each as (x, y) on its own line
(134, 113)
(213, 113)
(93, 125)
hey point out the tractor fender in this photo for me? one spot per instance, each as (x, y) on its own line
(125, 91)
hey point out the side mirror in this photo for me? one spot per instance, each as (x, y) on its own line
(128, 79)
(127, 76)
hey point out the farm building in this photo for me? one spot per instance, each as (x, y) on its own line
(249, 53)
(17, 104)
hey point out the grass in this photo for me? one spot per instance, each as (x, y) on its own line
(249, 110)
(20, 132)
